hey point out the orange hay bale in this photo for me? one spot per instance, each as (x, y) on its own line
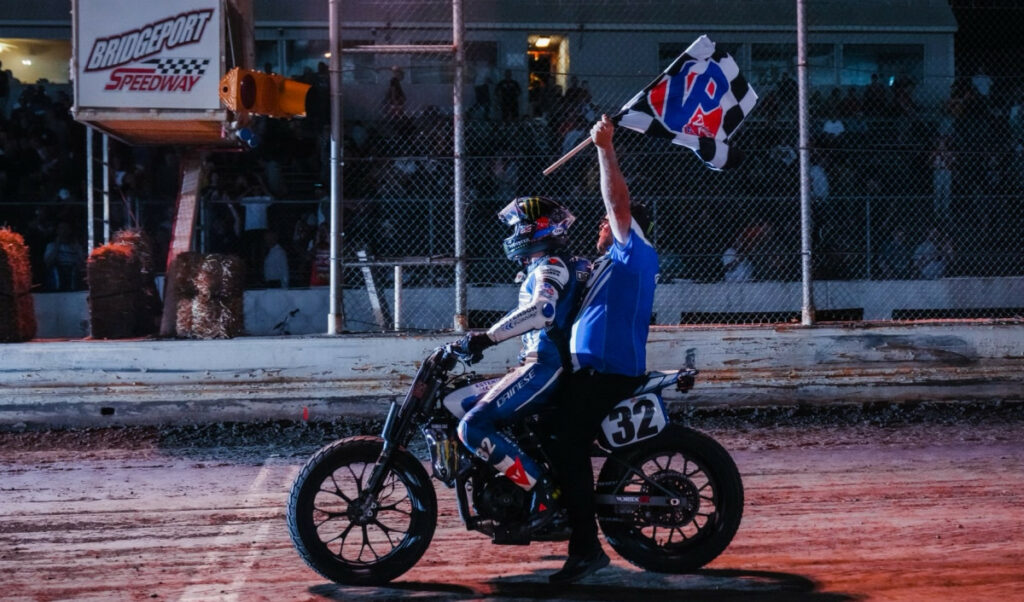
(17, 308)
(114, 279)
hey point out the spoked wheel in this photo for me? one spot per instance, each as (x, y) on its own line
(348, 534)
(687, 501)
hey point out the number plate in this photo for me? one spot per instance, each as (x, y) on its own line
(634, 420)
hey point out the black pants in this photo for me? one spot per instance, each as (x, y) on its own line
(589, 397)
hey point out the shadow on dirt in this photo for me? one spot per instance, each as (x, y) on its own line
(609, 584)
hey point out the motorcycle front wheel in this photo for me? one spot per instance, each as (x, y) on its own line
(699, 479)
(347, 534)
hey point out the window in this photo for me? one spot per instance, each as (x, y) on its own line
(821, 65)
(304, 56)
(889, 61)
(267, 56)
(31, 60)
(439, 68)
(769, 61)
(358, 67)
(482, 61)
(433, 68)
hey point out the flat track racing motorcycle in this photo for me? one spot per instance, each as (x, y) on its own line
(362, 511)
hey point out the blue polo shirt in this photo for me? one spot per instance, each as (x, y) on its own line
(610, 331)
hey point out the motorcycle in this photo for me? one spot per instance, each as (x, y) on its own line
(362, 511)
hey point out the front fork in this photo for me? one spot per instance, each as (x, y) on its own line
(383, 465)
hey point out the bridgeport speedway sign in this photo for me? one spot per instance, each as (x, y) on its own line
(147, 55)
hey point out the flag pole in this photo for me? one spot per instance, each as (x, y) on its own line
(569, 155)
(579, 147)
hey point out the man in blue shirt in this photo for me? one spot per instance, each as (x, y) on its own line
(608, 347)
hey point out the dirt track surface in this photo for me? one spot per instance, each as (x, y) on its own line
(903, 508)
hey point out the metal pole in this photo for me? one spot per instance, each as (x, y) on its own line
(336, 311)
(461, 320)
(867, 237)
(807, 309)
(106, 188)
(398, 298)
(90, 193)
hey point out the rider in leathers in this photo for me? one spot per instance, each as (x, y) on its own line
(544, 316)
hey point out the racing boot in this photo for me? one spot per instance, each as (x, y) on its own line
(578, 567)
(544, 504)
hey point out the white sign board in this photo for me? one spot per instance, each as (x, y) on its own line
(148, 55)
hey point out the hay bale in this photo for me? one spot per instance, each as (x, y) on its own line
(211, 289)
(184, 270)
(217, 317)
(114, 280)
(148, 306)
(141, 245)
(17, 307)
(183, 318)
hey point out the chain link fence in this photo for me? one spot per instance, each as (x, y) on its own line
(916, 160)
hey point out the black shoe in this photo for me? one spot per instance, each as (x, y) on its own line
(578, 567)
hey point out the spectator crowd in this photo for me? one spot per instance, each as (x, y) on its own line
(935, 190)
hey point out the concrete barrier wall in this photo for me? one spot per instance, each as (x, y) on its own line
(155, 381)
(304, 311)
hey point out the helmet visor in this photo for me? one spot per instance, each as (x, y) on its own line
(512, 214)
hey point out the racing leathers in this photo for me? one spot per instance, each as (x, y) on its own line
(547, 298)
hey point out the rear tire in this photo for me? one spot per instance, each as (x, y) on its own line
(335, 526)
(699, 472)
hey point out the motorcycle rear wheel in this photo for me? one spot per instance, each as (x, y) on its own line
(345, 534)
(698, 472)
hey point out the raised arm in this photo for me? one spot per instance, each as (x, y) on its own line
(613, 185)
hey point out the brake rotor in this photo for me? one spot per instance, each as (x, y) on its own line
(676, 486)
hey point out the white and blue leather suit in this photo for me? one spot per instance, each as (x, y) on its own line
(544, 316)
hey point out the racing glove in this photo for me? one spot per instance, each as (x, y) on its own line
(470, 348)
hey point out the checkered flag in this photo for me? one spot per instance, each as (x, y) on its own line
(179, 66)
(698, 102)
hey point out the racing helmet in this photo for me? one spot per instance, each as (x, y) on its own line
(540, 225)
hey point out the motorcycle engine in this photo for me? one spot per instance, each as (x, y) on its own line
(500, 499)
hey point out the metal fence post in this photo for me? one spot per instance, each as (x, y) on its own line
(461, 320)
(106, 188)
(90, 193)
(397, 311)
(336, 309)
(807, 306)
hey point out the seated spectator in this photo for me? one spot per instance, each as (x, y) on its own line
(736, 260)
(301, 249)
(737, 267)
(506, 175)
(225, 232)
(254, 197)
(833, 127)
(275, 264)
(320, 275)
(65, 260)
(895, 260)
(850, 106)
(932, 256)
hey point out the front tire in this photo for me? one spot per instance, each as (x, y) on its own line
(345, 534)
(700, 474)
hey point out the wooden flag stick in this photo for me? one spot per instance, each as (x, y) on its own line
(569, 155)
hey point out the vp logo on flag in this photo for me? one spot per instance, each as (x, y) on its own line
(698, 102)
(691, 101)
